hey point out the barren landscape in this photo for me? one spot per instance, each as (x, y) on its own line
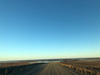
(39, 69)
(64, 67)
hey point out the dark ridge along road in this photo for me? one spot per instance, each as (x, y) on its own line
(48, 69)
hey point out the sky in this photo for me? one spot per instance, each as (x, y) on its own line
(49, 29)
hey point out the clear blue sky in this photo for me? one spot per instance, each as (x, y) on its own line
(46, 29)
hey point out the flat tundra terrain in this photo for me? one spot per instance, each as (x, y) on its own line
(47, 69)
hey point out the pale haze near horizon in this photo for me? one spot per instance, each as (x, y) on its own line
(49, 29)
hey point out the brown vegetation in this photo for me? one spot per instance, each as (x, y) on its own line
(8, 68)
(88, 68)
(3, 65)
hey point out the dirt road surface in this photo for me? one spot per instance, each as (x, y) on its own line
(47, 69)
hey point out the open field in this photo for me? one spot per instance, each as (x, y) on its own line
(88, 66)
(9, 64)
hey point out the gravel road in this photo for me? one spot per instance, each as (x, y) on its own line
(47, 69)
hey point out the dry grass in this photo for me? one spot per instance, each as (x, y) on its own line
(93, 67)
(3, 65)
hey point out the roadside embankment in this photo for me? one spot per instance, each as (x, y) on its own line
(12, 67)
